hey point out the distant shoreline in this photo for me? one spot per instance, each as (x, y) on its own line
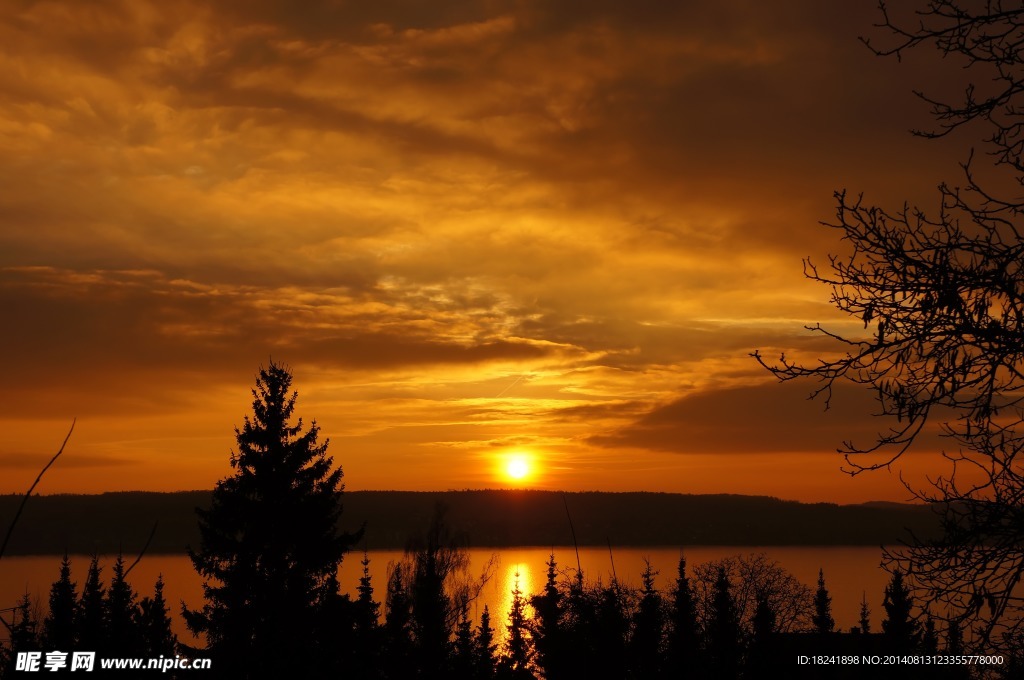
(109, 522)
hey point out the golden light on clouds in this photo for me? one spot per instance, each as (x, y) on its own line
(468, 228)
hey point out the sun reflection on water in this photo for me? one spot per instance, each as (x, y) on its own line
(506, 580)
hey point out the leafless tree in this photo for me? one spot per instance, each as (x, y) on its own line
(941, 297)
(752, 577)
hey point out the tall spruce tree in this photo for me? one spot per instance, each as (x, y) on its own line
(464, 659)
(723, 630)
(485, 647)
(122, 613)
(270, 547)
(611, 628)
(683, 650)
(91, 619)
(761, 656)
(24, 629)
(547, 629)
(154, 623)
(399, 651)
(899, 627)
(648, 628)
(823, 621)
(367, 632)
(515, 662)
(59, 624)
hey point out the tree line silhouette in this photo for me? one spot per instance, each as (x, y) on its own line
(269, 554)
(737, 617)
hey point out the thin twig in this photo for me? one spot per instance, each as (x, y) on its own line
(579, 567)
(144, 548)
(24, 500)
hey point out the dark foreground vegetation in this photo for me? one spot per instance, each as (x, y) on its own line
(739, 617)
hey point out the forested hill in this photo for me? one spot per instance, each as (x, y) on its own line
(110, 522)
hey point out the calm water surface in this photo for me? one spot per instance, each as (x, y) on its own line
(850, 572)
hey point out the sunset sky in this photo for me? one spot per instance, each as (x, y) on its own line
(473, 230)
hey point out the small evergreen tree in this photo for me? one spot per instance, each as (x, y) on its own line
(954, 646)
(154, 624)
(24, 626)
(760, 657)
(929, 637)
(822, 620)
(582, 631)
(367, 610)
(485, 647)
(91, 624)
(367, 629)
(648, 628)
(464, 662)
(899, 627)
(723, 630)
(683, 639)
(59, 624)
(865, 614)
(24, 635)
(547, 629)
(269, 543)
(515, 662)
(398, 643)
(122, 614)
(954, 638)
(611, 628)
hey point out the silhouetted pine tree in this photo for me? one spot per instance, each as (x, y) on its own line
(954, 638)
(436, 560)
(367, 630)
(123, 636)
(683, 650)
(613, 612)
(486, 648)
(269, 544)
(929, 637)
(154, 624)
(955, 647)
(760, 656)
(25, 626)
(335, 632)
(398, 660)
(645, 645)
(899, 628)
(581, 628)
(464, 660)
(59, 624)
(367, 610)
(865, 614)
(24, 636)
(723, 630)
(91, 623)
(547, 628)
(822, 620)
(514, 664)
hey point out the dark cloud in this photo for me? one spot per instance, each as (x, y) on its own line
(27, 461)
(82, 326)
(764, 418)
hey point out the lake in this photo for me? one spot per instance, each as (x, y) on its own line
(850, 572)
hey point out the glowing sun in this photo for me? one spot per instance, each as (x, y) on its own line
(517, 467)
